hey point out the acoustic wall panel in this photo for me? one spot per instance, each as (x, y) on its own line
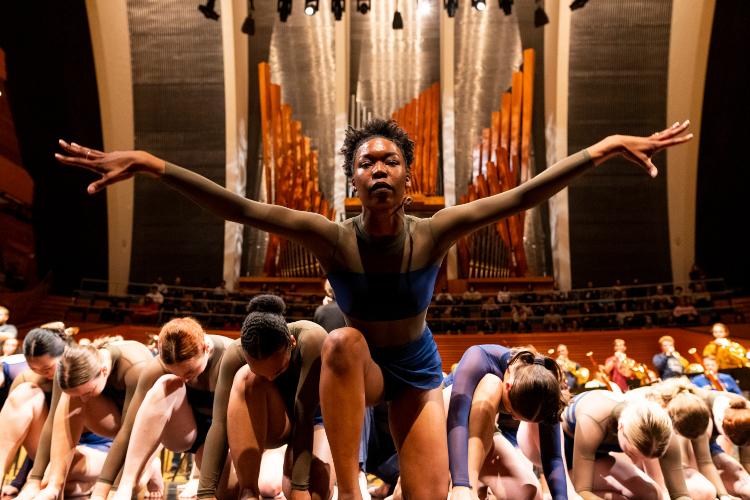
(617, 84)
(178, 95)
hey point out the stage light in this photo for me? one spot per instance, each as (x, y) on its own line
(451, 6)
(338, 7)
(540, 17)
(284, 8)
(311, 7)
(363, 6)
(577, 4)
(248, 26)
(506, 5)
(208, 10)
(480, 5)
(398, 21)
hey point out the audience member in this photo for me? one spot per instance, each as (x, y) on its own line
(616, 367)
(668, 362)
(7, 330)
(684, 313)
(10, 347)
(329, 315)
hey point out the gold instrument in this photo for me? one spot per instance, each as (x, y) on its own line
(580, 373)
(601, 374)
(642, 372)
(731, 355)
(711, 376)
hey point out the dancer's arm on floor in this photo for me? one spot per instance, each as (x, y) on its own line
(451, 223)
(216, 446)
(474, 364)
(704, 461)
(310, 229)
(306, 402)
(116, 456)
(66, 432)
(745, 457)
(673, 471)
(41, 461)
(553, 465)
(588, 436)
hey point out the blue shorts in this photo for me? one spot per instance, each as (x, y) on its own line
(96, 442)
(414, 365)
(714, 447)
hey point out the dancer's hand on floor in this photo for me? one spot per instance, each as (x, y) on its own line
(462, 493)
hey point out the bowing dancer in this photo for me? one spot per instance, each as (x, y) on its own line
(730, 418)
(691, 419)
(519, 383)
(267, 397)
(28, 395)
(172, 405)
(610, 443)
(92, 390)
(382, 265)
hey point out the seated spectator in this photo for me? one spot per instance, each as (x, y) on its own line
(528, 296)
(701, 297)
(503, 296)
(148, 311)
(176, 290)
(625, 316)
(684, 313)
(490, 308)
(220, 292)
(696, 274)
(552, 320)
(155, 296)
(7, 331)
(519, 318)
(10, 347)
(161, 287)
(471, 296)
(445, 300)
(590, 293)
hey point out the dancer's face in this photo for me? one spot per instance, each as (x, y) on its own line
(627, 447)
(90, 389)
(191, 368)
(380, 176)
(44, 365)
(274, 365)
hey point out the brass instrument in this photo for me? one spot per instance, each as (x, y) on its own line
(581, 373)
(602, 375)
(735, 352)
(642, 372)
(711, 376)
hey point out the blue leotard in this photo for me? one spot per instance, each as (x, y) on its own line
(477, 362)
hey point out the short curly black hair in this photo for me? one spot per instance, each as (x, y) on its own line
(376, 127)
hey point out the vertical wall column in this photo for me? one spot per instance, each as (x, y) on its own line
(110, 41)
(234, 45)
(342, 44)
(689, 41)
(557, 55)
(448, 116)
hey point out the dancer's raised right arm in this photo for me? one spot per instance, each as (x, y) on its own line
(312, 230)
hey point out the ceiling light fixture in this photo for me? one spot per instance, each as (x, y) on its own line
(209, 10)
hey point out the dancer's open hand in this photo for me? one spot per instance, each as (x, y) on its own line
(640, 150)
(113, 167)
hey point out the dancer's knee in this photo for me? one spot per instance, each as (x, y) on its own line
(343, 350)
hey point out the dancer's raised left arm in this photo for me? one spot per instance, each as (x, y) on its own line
(452, 223)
